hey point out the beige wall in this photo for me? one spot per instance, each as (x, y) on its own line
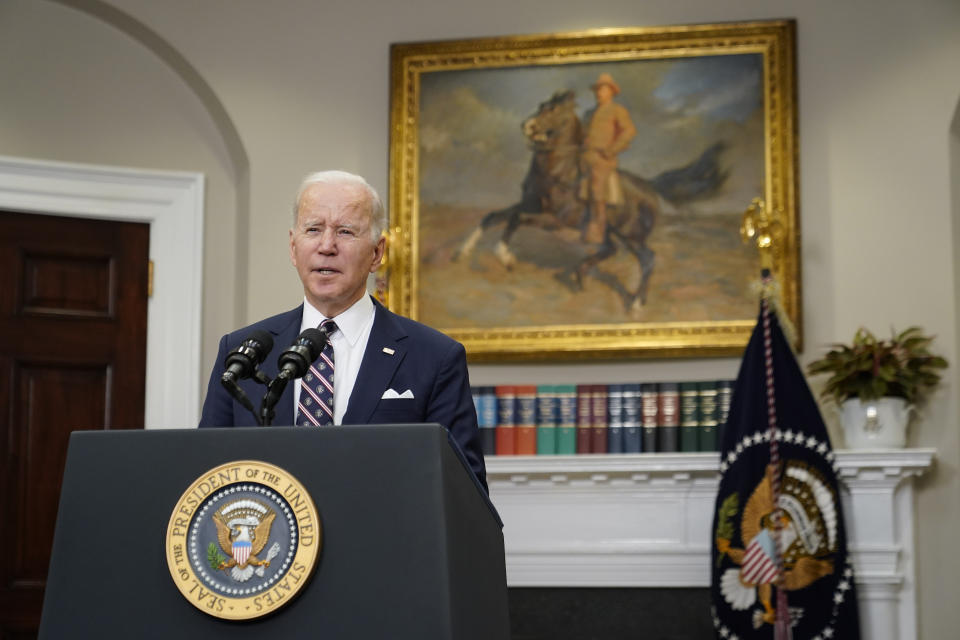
(303, 84)
(74, 89)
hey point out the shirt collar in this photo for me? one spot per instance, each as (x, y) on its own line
(351, 322)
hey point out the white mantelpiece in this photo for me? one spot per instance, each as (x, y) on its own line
(644, 521)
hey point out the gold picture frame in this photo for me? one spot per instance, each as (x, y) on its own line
(470, 157)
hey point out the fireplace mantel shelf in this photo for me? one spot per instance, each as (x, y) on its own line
(643, 520)
(896, 462)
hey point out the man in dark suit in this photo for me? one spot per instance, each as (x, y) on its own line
(389, 369)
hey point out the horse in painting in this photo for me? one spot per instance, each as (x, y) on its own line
(552, 198)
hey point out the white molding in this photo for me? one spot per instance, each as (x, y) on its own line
(643, 520)
(172, 203)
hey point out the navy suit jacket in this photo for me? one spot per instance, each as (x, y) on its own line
(428, 363)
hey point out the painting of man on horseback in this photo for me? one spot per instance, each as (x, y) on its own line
(628, 205)
(573, 181)
(583, 193)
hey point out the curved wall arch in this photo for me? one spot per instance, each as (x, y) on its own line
(84, 83)
(177, 63)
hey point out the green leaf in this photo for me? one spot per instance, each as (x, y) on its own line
(728, 509)
(869, 368)
(214, 558)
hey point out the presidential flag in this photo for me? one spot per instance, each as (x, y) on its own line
(779, 559)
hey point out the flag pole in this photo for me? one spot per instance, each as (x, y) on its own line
(782, 624)
(763, 228)
(778, 520)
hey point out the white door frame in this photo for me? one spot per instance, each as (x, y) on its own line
(172, 204)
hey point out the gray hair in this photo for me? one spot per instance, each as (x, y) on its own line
(378, 215)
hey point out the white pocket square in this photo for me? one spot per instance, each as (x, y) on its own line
(391, 394)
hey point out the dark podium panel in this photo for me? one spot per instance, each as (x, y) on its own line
(411, 547)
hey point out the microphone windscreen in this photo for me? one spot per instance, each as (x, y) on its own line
(314, 339)
(265, 343)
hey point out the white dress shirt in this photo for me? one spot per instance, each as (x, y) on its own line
(349, 344)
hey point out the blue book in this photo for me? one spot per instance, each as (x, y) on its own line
(632, 441)
(615, 442)
(475, 392)
(486, 401)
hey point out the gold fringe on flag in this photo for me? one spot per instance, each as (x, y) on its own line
(769, 289)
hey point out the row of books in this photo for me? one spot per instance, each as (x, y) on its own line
(602, 418)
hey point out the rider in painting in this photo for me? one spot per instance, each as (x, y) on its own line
(608, 133)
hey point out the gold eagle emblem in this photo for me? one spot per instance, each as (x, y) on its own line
(808, 539)
(243, 530)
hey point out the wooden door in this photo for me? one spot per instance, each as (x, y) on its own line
(73, 327)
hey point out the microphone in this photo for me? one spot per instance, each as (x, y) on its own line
(243, 361)
(297, 358)
(294, 362)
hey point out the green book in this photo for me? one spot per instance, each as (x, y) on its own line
(566, 418)
(709, 416)
(724, 397)
(689, 416)
(546, 420)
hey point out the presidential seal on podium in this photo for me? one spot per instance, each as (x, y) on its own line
(243, 540)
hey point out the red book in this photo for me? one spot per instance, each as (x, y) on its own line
(598, 418)
(506, 420)
(526, 425)
(584, 417)
(669, 425)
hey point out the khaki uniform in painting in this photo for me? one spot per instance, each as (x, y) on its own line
(608, 133)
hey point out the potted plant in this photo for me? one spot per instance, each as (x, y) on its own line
(877, 383)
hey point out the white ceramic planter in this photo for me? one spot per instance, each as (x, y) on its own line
(876, 424)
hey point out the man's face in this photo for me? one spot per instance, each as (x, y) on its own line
(604, 93)
(331, 247)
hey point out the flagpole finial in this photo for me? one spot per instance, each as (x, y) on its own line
(763, 228)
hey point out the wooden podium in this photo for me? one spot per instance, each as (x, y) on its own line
(411, 546)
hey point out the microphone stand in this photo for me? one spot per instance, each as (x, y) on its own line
(275, 389)
(240, 395)
(276, 386)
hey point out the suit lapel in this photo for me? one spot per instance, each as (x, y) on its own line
(385, 351)
(285, 330)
